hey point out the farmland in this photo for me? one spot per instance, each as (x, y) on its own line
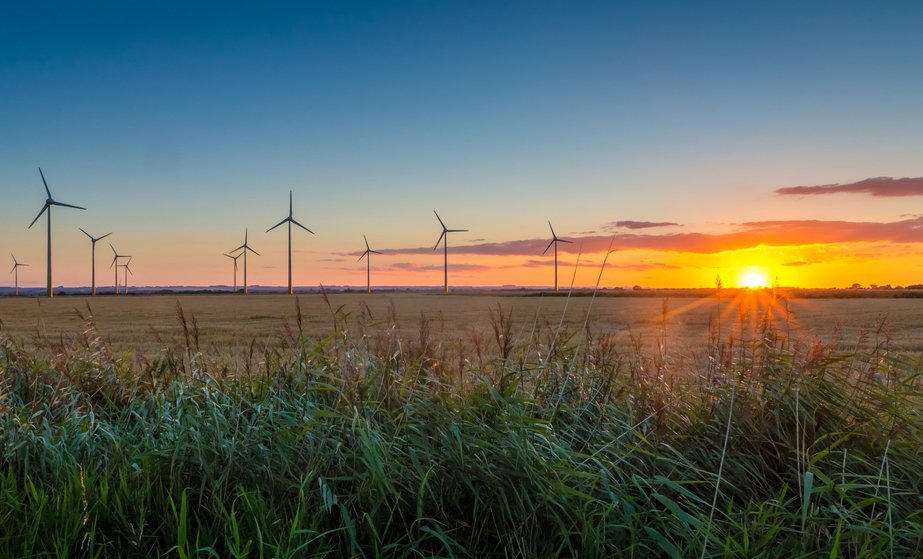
(409, 425)
(231, 322)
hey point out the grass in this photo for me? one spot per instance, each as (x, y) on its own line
(532, 440)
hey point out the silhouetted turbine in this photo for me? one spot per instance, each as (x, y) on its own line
(234, 258)
(368, 272)
(445, 232)
(15, 270)
(290, 220)
(554, 241)
(93, 256)
(47, 207)
(115, 262)
(245, 247)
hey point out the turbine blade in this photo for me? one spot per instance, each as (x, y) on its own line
(375, 252)
(366, 242)
(439, 241)
(302, 226)
(104, 236)
(552, 230)
(88, 235)
(67, 205)
(45, 207)
(13, 269)
(238, 248)
(290, 203)
(549, 246)
(565, 241)
(363, 256)
(44, 182)
(276, 225)
(253, 251)
(437, 217)
(456, 230)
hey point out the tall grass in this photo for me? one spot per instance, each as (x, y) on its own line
(395, 442)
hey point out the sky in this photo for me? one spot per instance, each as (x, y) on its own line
(671, 142)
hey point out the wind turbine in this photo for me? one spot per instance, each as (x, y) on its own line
(245, 247)
(368, 261)
(290, 220)
(554, 241)
(93, 257)
(115, 262)
(234, 258)
(445, 232)
(16, 265)
(127, 271)
(47, 207)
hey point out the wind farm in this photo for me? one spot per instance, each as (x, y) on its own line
(673, 309)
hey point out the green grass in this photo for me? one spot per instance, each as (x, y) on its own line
(522, 443)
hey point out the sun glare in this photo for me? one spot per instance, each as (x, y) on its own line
(753, 278)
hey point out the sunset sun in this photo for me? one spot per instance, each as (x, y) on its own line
(753, 278)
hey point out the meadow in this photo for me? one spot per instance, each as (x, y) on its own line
(419, 425)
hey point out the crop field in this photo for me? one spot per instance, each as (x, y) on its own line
(422, 425)
(232, 322)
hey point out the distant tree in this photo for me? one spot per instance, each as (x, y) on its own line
(855, 286)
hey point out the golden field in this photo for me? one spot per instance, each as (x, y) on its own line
(147, 323)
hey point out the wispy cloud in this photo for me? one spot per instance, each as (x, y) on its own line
(877, 186)
(748, 235)
(641, 224)
(413, 267)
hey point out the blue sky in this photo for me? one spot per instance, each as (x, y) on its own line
(178, 125)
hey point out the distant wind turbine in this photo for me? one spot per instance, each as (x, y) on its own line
(445, 232)
(15, 270)
(93, 256)
(234, 258)
(368, 261)
(290, 220)
(127, 271)
(554, 241)
(115, 262)
(245, 247)
(47, 207)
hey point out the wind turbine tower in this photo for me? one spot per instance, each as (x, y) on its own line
(290, 220)
(47, 207)
(445, 235)
(115, 262)
(93, 256)
(554, 241)
(245, 247)
(15, 270)
(368, 262)
(234, 258)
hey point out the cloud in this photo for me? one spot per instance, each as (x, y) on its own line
(412, 267)
(748, 235)
(331, 259)
(878, 186)
(642, 224)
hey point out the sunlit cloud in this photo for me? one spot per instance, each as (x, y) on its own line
(748, 235)
(878, 186)
(642, 224)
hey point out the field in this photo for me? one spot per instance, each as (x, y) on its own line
(228, 322)
(421, 425)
